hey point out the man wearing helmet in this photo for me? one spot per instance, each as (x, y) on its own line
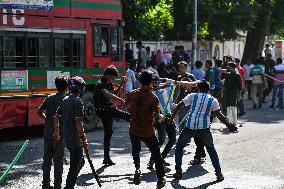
(70, 114)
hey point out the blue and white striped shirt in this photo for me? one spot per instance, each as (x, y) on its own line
(202, 104)
(163, 96)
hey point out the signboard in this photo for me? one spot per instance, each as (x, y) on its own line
(14, 80)
(51, 75)
(27, 4)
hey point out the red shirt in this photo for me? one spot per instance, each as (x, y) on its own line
(144, 105)
(242, 74)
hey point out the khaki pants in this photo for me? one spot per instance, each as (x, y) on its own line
(257, 89)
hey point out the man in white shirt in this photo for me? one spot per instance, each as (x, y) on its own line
(130, 79)
(198, 124)
(248, 78)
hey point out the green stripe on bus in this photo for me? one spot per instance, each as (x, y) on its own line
(37, 83)
(87, 5)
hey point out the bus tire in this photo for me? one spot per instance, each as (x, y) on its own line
(91, 120)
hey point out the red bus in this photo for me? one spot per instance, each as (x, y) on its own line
(41, 39)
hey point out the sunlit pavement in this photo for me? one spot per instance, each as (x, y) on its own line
(252, 158)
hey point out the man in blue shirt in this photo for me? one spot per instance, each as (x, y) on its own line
(198, 124)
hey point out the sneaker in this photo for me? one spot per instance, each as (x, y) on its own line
(271, 106)
(219, 176)
(195, 162)
(161, 183)
(150, 165)
(260, 105)
(108, 162)
(136, 179)
(178, 174)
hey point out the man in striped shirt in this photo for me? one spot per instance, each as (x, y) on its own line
(198, 124)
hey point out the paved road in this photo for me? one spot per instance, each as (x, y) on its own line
(252, 158)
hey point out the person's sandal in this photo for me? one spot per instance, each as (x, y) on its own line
(178, 174)
(161, 183)
(220, 177)
(136, 179)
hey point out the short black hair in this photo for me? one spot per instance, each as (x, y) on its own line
(146, 78)
(203, 86)
(61, 83)
(279, 61)
(237, 60)
(111, 70)
(183, 63)
(209, 62)
(218, 63)
(232, 64)
(139, 43)
(198, 64)
(155, 77)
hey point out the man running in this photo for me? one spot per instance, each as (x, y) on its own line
(198, 124)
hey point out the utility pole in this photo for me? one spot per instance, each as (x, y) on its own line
(194, 37)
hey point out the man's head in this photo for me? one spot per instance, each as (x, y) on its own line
(76, 85)
(127, 46)
(181, 48)
(208, 64)
(61, 83)
(139, 44)
(182, 66)
(176, 48)
(219, 63)
(203, 86)
(110, 73)
(146, 78)
(267, 45)
(268, 56)
(279, 61)
(198, 64)
(237, 61)
(232, 66)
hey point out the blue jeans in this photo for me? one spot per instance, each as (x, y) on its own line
(207, 139)
(181, 115)
(277, 91)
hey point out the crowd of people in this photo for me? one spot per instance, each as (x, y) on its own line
(158, 89)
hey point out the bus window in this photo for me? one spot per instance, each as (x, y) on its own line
(62, 53)
(78, 53)
(101, 46)
(32, 52)
(115, 44)
(44, 52)
(13, 52)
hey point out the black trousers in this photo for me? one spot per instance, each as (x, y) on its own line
(200, 152)
(269, 88)
(163, 129)
(76, 163)
(53, 151)
(153, 145)
(107, 115)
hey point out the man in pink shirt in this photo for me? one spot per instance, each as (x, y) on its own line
(240, 100)
(278, 73)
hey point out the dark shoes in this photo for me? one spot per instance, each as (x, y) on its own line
(136, 179)
(254, 106)
(161, 183)
(219, 176)
(178, 174)
(108, 162)
(197, 161)
(166, 164)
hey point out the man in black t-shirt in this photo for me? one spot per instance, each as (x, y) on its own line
(104, 96)
(71, 113)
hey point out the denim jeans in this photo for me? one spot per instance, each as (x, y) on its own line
(52, 152)
(76, 163)
(182, 113)
(200, 152)
(277, 92)
(152, 144)
(206, 137)
(106, 115)
(161, 131)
